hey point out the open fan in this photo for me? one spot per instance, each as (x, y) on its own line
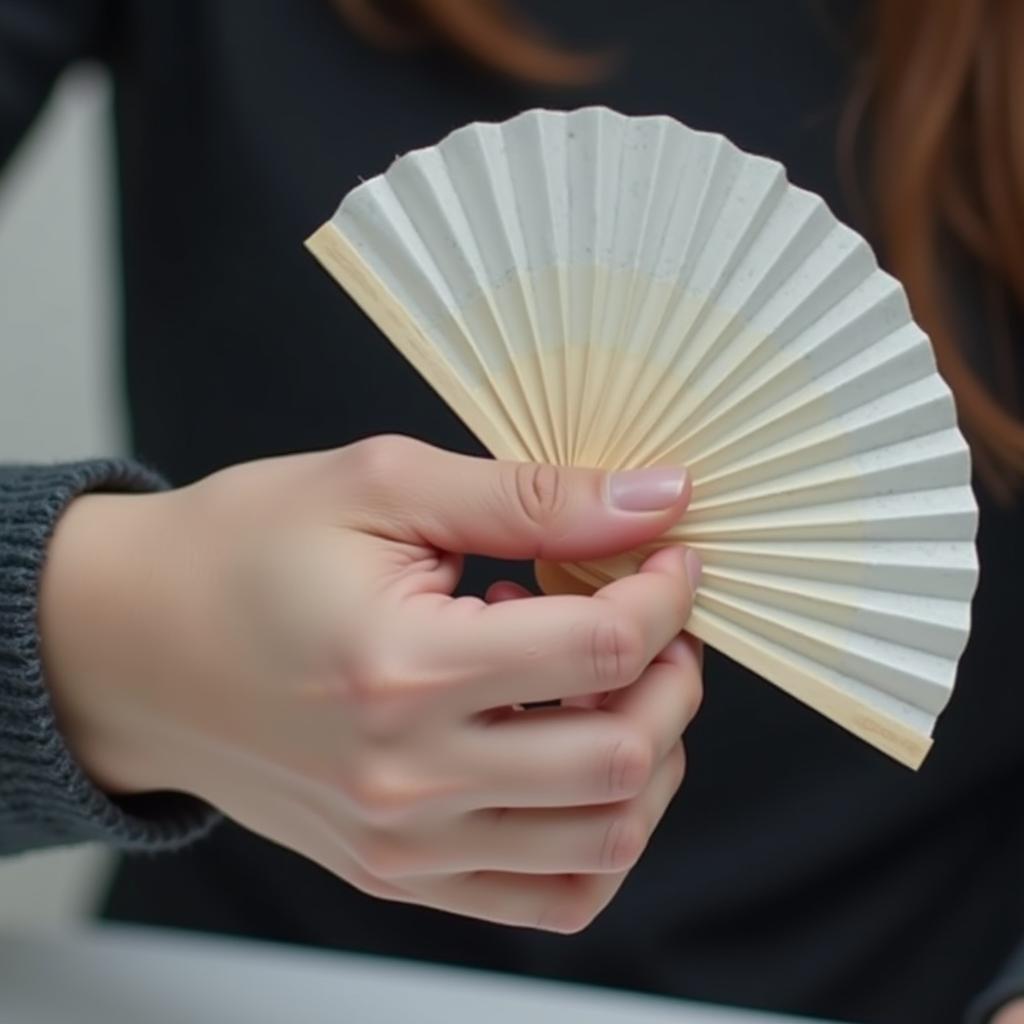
(591, 289)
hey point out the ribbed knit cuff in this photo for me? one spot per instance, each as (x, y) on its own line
(45, 797)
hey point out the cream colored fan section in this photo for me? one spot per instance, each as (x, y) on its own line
(591, 289)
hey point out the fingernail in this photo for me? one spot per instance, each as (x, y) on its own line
(694, 568)
(646, 490)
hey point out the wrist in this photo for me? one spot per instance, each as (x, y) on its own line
(96, 589)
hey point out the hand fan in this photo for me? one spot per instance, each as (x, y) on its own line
(591, 289)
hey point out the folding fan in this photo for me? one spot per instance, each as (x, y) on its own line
(591, 289)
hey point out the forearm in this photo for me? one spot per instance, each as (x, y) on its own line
(45, 796)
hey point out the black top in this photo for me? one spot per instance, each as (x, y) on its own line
(798, 869)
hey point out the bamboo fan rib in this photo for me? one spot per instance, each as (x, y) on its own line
(591, 289)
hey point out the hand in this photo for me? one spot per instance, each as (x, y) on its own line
(280, 639)
(1011, 1013)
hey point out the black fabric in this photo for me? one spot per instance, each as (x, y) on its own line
(798, 870)
(1008, 986)
(45, 799)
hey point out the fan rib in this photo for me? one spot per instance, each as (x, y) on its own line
(899, 731)
(403, 246)
(685, 318)
(921, 464)
(546, 445)
(344, 263)
(944, 513)
(601, 356)
(839, 340)
(447, 234)
(939, 625)
(939, 569)
(910, 675)
(717, 321)
(916, 411)
(891, 363)
(637, 175)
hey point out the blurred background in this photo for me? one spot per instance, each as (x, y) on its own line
(59, 394)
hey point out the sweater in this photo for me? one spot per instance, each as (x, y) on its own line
(797, 870)
(45, 798)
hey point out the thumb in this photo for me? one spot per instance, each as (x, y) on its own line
(512, 510)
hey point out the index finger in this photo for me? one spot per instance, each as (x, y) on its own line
(546, 648)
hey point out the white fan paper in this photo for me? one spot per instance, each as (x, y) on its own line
(591, 289)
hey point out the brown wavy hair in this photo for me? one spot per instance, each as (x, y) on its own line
(936, 109)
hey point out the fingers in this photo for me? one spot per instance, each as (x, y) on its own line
(547, 648)
(563, 903)
(600, 839)
(685, 650)
(541, 869)
(400, 488)
(665, 700)
(554, 870)
(505, 590)
(557, 903)
(569, 757)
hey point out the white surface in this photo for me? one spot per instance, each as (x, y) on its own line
(47, 888)
(58, 397)
(127, 976)
(617, 291)
(57, 389)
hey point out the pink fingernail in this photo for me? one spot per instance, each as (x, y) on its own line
(646, 490)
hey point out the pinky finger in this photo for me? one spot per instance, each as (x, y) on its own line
(555, 903)
(505, 590)
(565, 903)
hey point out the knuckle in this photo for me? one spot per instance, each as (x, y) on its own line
(385, 856)
(380, 694)
(378, 794)
(629, 766)
(625, 840)
(377, 462)
(616, 652)
(539, 493)
(362, 687)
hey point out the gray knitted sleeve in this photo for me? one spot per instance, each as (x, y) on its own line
(45, 798)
